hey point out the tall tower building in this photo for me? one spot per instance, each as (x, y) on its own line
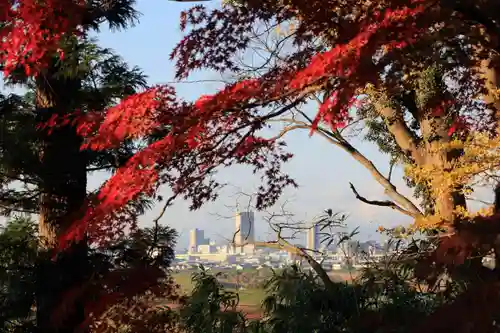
(244, 228)
(196, 238)
(313, 238)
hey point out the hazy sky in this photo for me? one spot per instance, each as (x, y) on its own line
(322, 171)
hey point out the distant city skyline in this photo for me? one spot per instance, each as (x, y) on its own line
(242, 241)
(197, 237)
(246, 233)
(252, 255)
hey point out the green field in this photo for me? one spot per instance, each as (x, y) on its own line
(248, 296)
(252, 294)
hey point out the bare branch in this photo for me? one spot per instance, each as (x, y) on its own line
(282, 242)
(285, 245)
(384, 203)
(484, 202)
(334, 138)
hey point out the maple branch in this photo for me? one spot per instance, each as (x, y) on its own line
(335, 139)
(391, 169)
(405, 139)
(384, 203)
(486, 14)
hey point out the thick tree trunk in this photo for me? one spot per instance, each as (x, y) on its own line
(427, 150)
(447, 202)
(63, 174)
(63, 179)
(447, 199)
(64, 183)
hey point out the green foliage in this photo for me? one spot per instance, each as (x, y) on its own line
(210, 308)
(118, 14)
(18, 253)
(395, 296)
(105, 78)
(298, 302)
(22, 266)
(385, 299)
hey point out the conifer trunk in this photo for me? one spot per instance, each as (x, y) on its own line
(63, 185)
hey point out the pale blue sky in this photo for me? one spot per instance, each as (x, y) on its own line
(322, 171)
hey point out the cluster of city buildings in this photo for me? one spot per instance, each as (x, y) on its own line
(242, 249)
(242, 240)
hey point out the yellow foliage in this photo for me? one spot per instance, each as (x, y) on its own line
(285, 29)
(435, 221)
(481, 154)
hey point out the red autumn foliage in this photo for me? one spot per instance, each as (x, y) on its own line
(136, 116)
(32, 30)
(221, 129)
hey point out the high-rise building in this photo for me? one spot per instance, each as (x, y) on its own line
(196, 238)
(244, 228)
(313, 238)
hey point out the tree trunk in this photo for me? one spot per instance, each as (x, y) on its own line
(447, 199)
(489, 72)
(63, 185)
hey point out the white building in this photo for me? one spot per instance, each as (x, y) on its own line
(206, 249)
(196, 238)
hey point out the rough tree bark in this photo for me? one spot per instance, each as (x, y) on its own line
(63, 188)
(435, 136)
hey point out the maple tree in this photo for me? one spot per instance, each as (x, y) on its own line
(346, 74)
(424, 71)
(233, 117)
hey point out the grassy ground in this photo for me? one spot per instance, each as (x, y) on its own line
(184, 281)
(250, 296)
